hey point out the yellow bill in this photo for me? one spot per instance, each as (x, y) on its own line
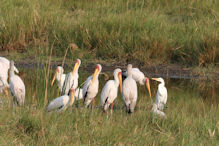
(95, 74)
(53, 80)
(120, 81)
(75, 67)
(156, 79)
(148, 86)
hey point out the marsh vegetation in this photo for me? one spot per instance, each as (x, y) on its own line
(192, 117)
(183, 32)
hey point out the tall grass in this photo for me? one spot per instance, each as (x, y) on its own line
(171, 31)
(192, 118)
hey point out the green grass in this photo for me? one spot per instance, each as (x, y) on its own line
(191, 117)
(183, 32)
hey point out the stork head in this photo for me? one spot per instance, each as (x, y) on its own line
(77, 65)
(59, 70)
(96, 72)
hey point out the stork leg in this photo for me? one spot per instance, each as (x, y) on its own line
(112, 107)
(107, 107)
(6, 94)
(93, 101)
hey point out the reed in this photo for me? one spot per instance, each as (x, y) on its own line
(171, 31)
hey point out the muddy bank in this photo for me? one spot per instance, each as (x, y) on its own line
(162, 70)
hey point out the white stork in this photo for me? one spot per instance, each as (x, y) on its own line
(130, 92)
(110, 90)
(17, 86)
(60, 78)
(90, 88)
(61, 103)
(139, 77)
(71, 80)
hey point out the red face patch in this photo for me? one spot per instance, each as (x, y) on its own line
(72, 90)
(146, 80)
(97, 67)
(119, 73)
(77, 61)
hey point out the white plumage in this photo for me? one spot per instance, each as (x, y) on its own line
(6, 63)
(110, 90)
(60, 78)
(139, 77)
(130, 92)
(90, 88)
(161, 97)
(3, 78)
(157, 112)
(17, 86)
(71, 80)
(78, 94)
(61, 103)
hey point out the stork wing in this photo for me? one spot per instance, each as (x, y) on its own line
(65, 84)
(86, 86)
(105, 92)
(137, 75)
(58, 103)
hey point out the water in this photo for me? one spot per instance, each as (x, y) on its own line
(177, 88)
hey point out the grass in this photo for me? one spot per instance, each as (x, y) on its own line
(191, 118)
(182, 32)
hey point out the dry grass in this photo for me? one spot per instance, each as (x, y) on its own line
(172, 31)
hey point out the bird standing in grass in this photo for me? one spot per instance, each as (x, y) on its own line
(139, 77)
(17, 86)
(61, 103)
(161, 97)
(130, 92)
(90, 88)
(110, 90)
(71, 80)
(60, 78)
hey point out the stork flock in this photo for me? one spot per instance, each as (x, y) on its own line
(69, 90)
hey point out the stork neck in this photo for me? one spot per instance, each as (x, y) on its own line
(162, 83)
(11, 70)
(58, 76)
(129, 73)
(76, 71)
(116, 80)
